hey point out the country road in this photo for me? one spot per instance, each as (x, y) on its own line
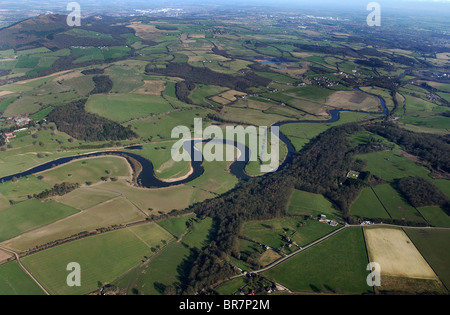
(274, 264)
(279, 261)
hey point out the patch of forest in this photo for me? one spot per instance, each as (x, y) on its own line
(183, 89)
(79, 124)
(320, 167)
(433, 150)
(57, 190)
(421, 193)
(103, 84)
(2, 139)
(208, 77)
(93, 71)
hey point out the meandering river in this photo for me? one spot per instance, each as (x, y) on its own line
(148, 179)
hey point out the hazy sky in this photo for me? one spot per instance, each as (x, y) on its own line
(439, 6)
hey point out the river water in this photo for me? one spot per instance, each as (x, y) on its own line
(148, 179)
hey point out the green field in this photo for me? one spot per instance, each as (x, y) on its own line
(160, 272)
(216, 180)
(367, 206)
(124, 107)
(273, 233)
(305, 203)
(87, 170)
(20, 189)
(434, 245)
(301, 133)
(115, 211)
(102, 258)
(165, 267)
(30, 214)
(14, 281)
(147, 239)
(197, 235)
(337, 265)
(177, 225)
(443, 185)
(4, 104)
(392, 164)
(201, 92)
(229, 287)
(85, 198)
(160, 127)
(42, 114)
(397, 207)
(435, 216)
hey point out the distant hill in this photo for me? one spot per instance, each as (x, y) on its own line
(51, 31)
(33, 32)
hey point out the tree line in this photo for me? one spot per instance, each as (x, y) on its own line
(57, 190)
(207, 76)
(103, 84)
(320, 167)
(420, 192)
(433, 150)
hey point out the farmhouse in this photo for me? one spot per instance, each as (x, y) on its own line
(9, 135)
(21, 120)
(353, 174)
(323, 219)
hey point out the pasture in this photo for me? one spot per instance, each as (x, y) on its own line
(305, 203)
(300, 134)
(14, 281)
(112, 212)
(176, 225)
(125, 107)
(229, 287)
(20, 189)
(88, 170)
(435, 216)
(395, 205)
(435, 248)
(166, 266)
(274, 233)
(85, 198)
(102, 258)
(392, 164)
(29, 215)
(336, 265)
(367, 206)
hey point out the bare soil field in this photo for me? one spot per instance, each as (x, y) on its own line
(4, 255)
(231, 95)
(353, 100)
(47, 76)
(151, 87)
(68, 76)
(3, 93)
(146, 31)
(396, 254)
(410, 286)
